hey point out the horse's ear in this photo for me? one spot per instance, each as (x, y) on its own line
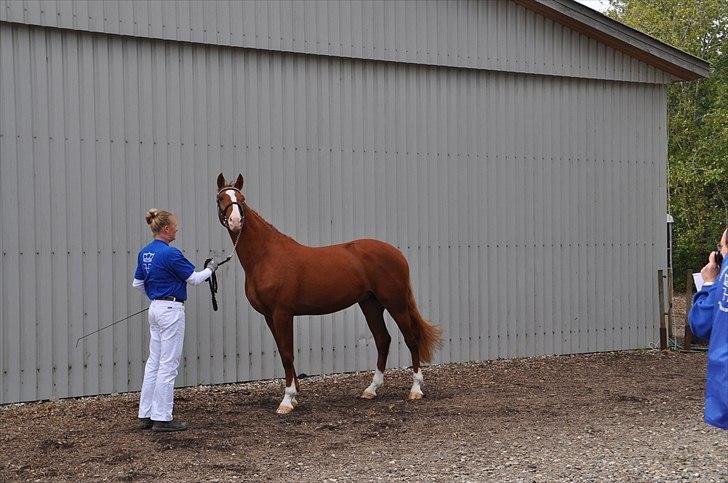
(239, 182)
(220, 181)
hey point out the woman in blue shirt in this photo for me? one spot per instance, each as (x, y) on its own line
(709, 319)
(163, 273)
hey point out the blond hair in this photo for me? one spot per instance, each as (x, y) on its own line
(158, 219)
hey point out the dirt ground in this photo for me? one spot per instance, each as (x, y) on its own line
(616, 416)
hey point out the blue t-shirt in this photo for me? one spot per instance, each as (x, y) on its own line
(164, 270)
(709, 319)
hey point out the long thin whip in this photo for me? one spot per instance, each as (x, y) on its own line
(107, 326)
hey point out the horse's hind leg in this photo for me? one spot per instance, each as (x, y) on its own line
(405, 323)
(374, 313)
(282, 328)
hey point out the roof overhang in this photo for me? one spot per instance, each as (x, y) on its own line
(621, 37)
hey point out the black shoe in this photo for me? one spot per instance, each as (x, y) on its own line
(145, 423)
(165, 426)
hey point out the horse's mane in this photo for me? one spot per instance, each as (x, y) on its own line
(268, 225)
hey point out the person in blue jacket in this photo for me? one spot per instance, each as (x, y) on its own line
(709, 319)
(162, 274)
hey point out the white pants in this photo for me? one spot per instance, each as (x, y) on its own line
(167, 333)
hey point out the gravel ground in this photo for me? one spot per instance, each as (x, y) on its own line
(628, 416)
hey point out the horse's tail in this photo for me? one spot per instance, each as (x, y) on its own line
(429, 336)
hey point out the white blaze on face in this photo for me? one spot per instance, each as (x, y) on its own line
(234, 220)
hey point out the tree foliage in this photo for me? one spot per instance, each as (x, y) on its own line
(698, 121)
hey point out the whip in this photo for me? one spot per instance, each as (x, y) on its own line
(107, 326)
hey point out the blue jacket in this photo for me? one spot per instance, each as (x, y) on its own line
(709, 319)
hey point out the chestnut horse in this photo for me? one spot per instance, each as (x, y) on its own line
(284, 278)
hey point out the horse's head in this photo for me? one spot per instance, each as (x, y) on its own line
(230, 202)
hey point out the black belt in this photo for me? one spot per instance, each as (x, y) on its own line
(171, 299)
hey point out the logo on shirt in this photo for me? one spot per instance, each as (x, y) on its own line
(147, 260)
(723, 302)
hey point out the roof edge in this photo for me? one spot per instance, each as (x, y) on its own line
(639, 45)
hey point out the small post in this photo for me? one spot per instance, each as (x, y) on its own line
(670, 324)
(663, 328)
(688, 339)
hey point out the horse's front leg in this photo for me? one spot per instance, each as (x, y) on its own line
(282, 328)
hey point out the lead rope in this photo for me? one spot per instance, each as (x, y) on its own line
(213, 278)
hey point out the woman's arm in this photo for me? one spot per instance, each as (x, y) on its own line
(138, 284)
(198, 277)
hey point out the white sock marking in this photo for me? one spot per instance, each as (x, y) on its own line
(290, 396)
(377, 381)
(417, 381)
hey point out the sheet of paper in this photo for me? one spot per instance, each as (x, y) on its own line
(698, 279)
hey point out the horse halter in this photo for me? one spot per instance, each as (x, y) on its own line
(221, 211)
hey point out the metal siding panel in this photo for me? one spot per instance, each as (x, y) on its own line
(113, 189)
(156, 10)
(64, 12)
(27, 235)
(95, 10)
(3, 254)
(89, 213)
(31, 13)
(71, 126)
(59, 265)
(80, 15)
(10, 197)
(184, 104)
(209, 11)
(197, 21)
(235, 23)
(183, 24)
(140, 18)
(14, 10)
(41, 167)
(97, 284)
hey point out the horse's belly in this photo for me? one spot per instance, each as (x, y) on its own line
(324, 296)
(327, 307)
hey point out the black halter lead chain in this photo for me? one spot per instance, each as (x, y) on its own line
(213, 281)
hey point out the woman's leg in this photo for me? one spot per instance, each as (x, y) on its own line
(171, 334)
(152, 365)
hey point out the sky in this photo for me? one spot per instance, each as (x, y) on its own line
(599, 5)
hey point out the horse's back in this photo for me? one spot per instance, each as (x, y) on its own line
(379, 259)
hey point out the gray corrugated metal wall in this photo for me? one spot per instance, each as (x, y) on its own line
(531, 208)
(492, 34)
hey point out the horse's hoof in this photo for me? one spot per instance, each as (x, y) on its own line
(367, 394)
(415, 395)
(284, 409)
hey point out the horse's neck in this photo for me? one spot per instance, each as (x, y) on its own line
(259, 240)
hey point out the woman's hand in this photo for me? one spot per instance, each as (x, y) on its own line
(711, 270)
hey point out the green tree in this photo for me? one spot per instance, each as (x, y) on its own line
(698, 120)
